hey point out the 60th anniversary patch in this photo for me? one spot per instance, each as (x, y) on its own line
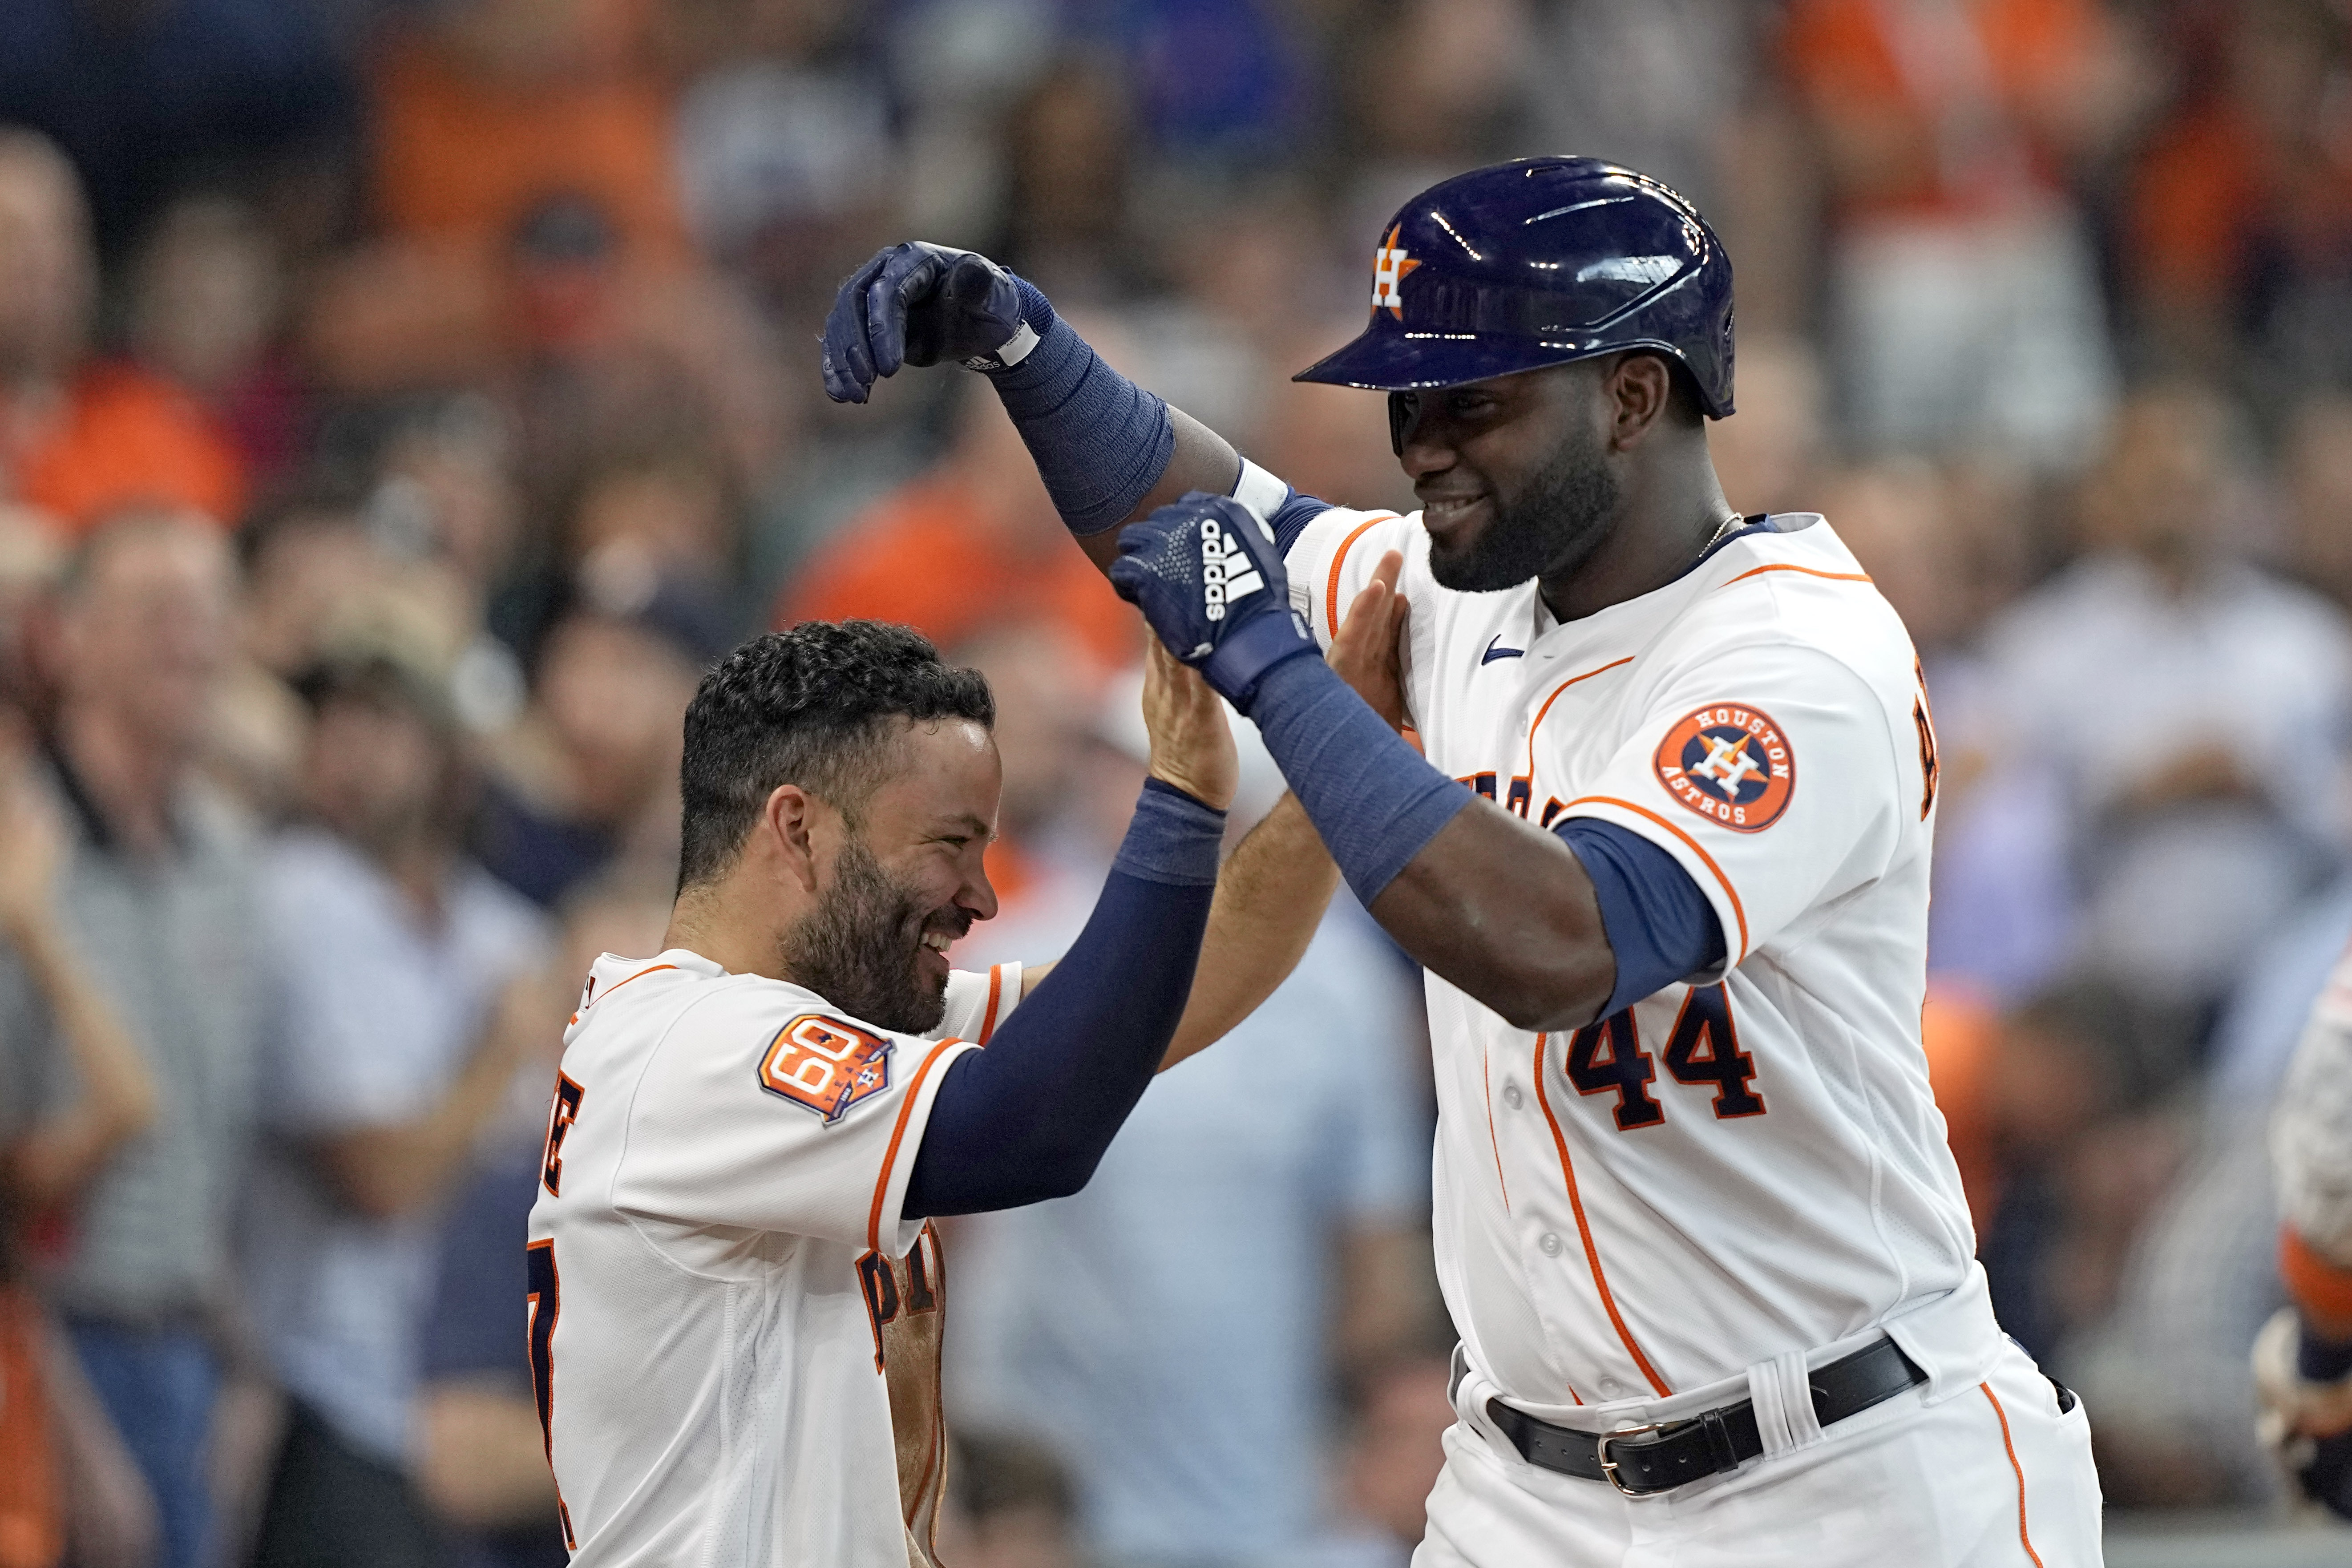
(1731, 764)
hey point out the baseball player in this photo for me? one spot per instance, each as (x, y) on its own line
(2303, 1358)
(735, 1293)
(1665, 865)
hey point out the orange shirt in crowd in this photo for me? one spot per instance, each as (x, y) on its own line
(1961, 1033)
(916, 558)
(32, 1534)
(2211, 184)
(464, 155)
(128, 435)
(1856, 68)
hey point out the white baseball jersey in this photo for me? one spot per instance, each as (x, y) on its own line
(1746, 1165)
(726, 1309)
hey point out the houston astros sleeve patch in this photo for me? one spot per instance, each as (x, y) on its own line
(1729, 764)
(826, 1064)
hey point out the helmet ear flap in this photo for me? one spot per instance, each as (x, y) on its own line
(1404, 412)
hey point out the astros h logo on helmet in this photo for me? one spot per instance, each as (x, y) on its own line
(1390, 265)
(1731, 764)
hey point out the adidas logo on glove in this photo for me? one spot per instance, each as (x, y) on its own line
(1222, 584)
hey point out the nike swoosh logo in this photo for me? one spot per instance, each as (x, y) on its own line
(1493, 653)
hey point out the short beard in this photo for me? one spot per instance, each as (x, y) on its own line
(859, 947)
(1549, 529)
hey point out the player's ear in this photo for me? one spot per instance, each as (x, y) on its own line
(1639, 386)
(785, 820)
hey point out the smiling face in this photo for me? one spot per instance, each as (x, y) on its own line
(904, 880)
(1513, 474)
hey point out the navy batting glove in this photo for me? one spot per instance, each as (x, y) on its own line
(1208, 576)
(918, 304)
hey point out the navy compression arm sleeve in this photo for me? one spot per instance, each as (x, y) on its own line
(1660, 926)
(1372, 797)
(1028, 1118)
(1100, 442)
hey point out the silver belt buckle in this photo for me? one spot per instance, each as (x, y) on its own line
(1609, 1465)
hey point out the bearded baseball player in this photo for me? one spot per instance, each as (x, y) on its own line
(735, 1293)
(1665, 865)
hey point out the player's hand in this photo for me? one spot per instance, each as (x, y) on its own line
(1191, 739)
(915, 304)
(1368, 652)
(1206, 573)
(2307, 1426)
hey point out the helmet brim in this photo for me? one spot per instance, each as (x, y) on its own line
(1401, 361)
(1392, 360)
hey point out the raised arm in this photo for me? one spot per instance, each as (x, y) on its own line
(1108, 451)
(1028, 1119)
(51, 1162)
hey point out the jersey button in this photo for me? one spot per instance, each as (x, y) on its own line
(1550, 1244)
(1613, 1388)
(1512, 1097)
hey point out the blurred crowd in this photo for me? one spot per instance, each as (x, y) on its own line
(402, 400)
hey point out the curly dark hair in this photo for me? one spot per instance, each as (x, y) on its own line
(811, 706)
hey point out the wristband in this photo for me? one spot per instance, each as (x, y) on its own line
(1172, 838)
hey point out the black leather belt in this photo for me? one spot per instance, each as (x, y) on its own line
(1640, 1460)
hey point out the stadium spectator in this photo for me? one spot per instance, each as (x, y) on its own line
(2317, 461)
(81, 435)
(2167, 1369)
(484, 112)
(1964, 300)
(414, 994)
(2190, 706)
(2078, 1105)
(157, 896)
(2238, 208)
(587, 783)
(47, 1160)
(1650, 83)
(640, 519)
(204, 311)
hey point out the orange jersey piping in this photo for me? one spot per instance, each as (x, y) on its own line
(1808, 571)
(1486, 1077)
(1331, 593)
(1584, 1232)
(995, 995)
(890, 1155)
(2017, 1469)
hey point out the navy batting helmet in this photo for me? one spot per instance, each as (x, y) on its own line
(1538, 262)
